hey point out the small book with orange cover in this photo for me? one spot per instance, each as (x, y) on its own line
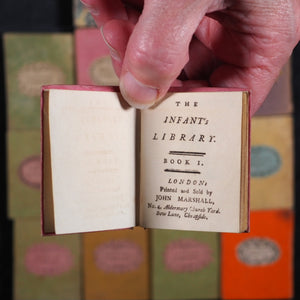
(259, 264)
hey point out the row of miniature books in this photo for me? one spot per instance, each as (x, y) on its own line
(273, 167)
(179, 265)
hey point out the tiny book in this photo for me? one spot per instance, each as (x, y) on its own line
(182, 164)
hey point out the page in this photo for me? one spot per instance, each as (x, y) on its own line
(92, 139)
(191, 162)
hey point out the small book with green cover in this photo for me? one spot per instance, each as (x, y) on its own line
(185, 265)
(32, 60)
(45, 268)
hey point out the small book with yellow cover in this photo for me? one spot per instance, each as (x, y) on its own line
(272, 163)
(116, 265)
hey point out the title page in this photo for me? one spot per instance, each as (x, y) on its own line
(191, 162)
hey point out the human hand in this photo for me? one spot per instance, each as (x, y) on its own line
(158, 43)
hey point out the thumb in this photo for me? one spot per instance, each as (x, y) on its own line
(158, 48)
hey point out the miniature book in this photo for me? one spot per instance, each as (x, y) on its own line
(119, 259)
(272, 163)
(33, 60)
(48, 268)
(182, 164)
(261, 262)
(185, 264)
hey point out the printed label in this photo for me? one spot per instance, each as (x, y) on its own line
(118, 256)
(265, 161)
(187, 255)
(102, 72)
(32, 76)
(48, 259)
(30, 171)
(258, 251)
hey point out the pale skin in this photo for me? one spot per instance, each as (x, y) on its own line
(158, 43)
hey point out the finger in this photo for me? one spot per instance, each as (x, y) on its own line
(158, 48)
(116, 34)
(248, 55)
(105, 10)
(201, 61)
(258, 80)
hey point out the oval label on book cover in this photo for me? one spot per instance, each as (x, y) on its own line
(48, 259)
(265, 161)
(30, 171)
(118, 256)
(187, 255)
(258, 251)
(102, 72)
(32, 76)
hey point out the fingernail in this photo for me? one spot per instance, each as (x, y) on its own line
(136, 93)
(113, 52)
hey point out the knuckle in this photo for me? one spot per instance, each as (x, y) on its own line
(159, 63)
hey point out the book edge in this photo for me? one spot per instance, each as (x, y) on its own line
(245, 163)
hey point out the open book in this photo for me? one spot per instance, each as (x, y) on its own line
(182, 164)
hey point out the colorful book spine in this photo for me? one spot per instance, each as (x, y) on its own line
(93, 62)
(259, 264)
(45, 268)
(272, 165)
(116, 265)
(185, 264)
